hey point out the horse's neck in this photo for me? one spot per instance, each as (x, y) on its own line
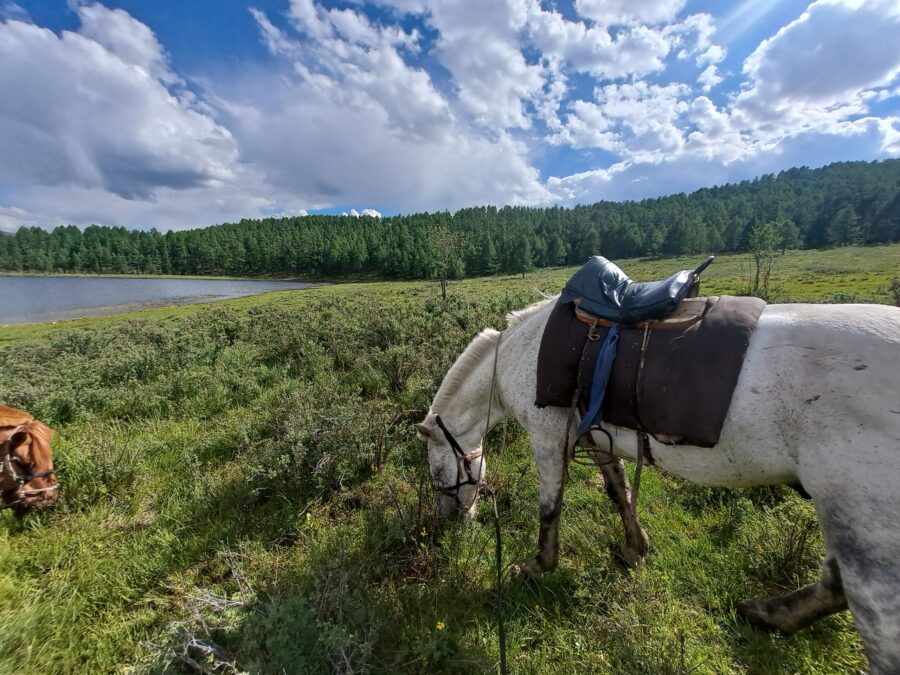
(467, 412)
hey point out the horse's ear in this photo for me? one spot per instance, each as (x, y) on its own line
(424, 432)
(21, 442)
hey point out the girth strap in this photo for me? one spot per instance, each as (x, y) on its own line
(602, 371)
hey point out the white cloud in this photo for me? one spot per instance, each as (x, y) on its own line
(691, 171)
(713, 54)
(715, 137)
(709, 78)
(639, 121)
(812, 75)
(453, 106)
(370, 213)
(309, 146)
(359, 65)
(479, 44)
(636, 50)
(613, 12)
(407, 145)
(126, 37)
(82, 115)
(176, 209)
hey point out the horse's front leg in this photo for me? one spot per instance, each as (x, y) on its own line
(551, 469)
(637, 543)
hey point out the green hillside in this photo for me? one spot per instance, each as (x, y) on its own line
(837, 205)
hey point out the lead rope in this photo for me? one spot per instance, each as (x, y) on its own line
(498, 553)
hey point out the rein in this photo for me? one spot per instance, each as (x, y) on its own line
(20, 477)
(464, 462)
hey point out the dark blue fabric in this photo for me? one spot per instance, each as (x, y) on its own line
(602, 370)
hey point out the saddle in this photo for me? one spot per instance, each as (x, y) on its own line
(677, 384)
(604, 295)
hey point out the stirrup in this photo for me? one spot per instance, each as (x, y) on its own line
(582, 454)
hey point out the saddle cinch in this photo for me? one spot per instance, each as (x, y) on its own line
(604, 295)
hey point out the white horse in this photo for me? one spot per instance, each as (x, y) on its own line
(817, 405)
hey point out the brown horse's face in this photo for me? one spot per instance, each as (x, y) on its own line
(26, 473)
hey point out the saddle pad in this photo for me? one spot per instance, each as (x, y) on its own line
(689, 374)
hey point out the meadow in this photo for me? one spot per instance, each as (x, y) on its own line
(243, 492)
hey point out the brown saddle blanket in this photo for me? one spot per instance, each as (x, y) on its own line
(688, 378)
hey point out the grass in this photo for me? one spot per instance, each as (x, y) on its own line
(243, 491)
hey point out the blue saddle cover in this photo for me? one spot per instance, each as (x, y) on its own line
(605, 291)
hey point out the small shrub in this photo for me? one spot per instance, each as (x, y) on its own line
(894, 290)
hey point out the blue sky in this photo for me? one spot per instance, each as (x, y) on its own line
(180, 114)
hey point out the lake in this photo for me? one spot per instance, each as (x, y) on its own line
(32, 299)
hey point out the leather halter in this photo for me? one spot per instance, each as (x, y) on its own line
(21, 478)
(464, 459)
(463, 464)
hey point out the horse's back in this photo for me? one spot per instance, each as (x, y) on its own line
(823, 378)
(851, 351)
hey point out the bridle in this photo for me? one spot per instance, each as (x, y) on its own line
(464, 459)
(13, 470)
(463, 466)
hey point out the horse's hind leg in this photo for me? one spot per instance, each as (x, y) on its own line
(637, 543)
(863, 534)
(862, 564)
(796, 610)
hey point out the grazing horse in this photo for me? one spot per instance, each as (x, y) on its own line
(26, 462)
(817, 405)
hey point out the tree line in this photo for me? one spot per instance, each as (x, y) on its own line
(841, 204)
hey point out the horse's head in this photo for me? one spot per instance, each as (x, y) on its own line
(26, 466)
(456, 465)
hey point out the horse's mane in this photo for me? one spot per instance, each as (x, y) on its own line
(516, 317)
(478, 348)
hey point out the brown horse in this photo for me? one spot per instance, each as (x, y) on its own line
(26, 462)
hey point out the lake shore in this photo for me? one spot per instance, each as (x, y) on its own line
(35, 299)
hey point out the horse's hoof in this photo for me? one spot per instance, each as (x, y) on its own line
(529, 569)
(757, 614)
(631, 557)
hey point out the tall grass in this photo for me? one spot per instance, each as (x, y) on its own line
(243, 492)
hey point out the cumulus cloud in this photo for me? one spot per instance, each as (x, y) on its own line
(370, 213)
(479, 45)
(431, 104)
(354, 95)
(85, 115)
(126, 37)
(813, 73)
(629, 11)
(709, 78)
(637, 50)
(639, 121)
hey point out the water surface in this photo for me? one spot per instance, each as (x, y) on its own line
(31, 299)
